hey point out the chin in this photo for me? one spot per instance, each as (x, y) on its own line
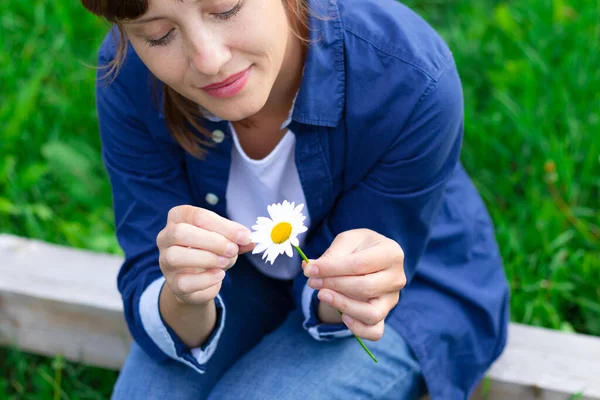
(239, 109)
(235, 113)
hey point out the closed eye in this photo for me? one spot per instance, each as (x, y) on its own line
(231, 13)
(163, 41)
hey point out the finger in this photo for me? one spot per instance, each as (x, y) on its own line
(353, 240)
(369, 332)
(202, 296)
(345, 243)
(245, 249)
(186, 284)
(367, 261)
(369, 313)
(178, 257)
(187, 235)
(210, 221)
(362, 287)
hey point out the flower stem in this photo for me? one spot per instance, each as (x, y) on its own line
(356, 337)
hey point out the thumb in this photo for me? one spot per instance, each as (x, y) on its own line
(246, 248)
(345, 243)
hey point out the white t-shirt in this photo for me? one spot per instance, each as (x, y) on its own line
(255, 184)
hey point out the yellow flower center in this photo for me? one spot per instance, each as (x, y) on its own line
(281, 232)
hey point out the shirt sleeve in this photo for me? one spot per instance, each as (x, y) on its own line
(319, 330)
(146, 184)
(402, 193)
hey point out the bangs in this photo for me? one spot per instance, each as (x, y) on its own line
(117, 10)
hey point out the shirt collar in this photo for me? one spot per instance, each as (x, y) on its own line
(320, 99)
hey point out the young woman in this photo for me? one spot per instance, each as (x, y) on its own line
(212, 110)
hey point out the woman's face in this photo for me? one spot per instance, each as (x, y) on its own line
(225, 55)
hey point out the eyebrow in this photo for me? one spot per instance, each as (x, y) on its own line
(155, 18)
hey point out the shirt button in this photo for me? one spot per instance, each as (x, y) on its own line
(212, 199)
(218, 136)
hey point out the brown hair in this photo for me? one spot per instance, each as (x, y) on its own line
(182, 115)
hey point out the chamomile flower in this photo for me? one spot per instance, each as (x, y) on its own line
(277, 235)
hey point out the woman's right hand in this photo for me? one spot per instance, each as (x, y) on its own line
(196, 247)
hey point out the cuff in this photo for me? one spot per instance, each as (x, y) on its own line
(167, 340)
(317, 329)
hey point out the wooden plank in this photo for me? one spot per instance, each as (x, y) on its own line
(546, 364)
(43, 270)
(83, 334)
(55, 299)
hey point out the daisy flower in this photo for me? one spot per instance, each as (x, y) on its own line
(277, 235)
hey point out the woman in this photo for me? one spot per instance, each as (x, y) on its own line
(212, 110)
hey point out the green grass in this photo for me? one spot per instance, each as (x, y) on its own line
(532, 94)
(30, 377)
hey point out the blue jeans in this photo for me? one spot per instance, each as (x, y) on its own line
(268, 355)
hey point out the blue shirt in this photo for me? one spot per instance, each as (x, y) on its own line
(379, 127)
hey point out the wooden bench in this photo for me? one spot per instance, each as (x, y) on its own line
(55, 299)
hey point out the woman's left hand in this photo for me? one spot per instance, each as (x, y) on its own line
(361, 275)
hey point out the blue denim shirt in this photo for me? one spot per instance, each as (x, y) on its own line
(378, 122)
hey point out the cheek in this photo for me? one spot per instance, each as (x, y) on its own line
(264, 32)
(164, 62)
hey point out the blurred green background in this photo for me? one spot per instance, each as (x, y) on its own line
(531, 75)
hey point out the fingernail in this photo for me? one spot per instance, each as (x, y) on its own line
(347, 319)
(231, 250)
(243, 238)
(220, 274)
(326, 297)
(315, 283)
(223, 261)
(311, 270)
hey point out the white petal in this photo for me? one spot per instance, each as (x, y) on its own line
(294, 241)
(264, 221)
(258, 237)
(270, 210)
(288, 251)
(261, 247)
(255, 236)
(264, 228)
(286, 210)
(301, 229)
(276, 249)
(272, 257)
(299, 208)
(265, 254)
(275, 212)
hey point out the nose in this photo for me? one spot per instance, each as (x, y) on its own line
(207, 53)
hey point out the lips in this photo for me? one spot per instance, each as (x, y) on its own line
(225, 82)
(228, 87)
